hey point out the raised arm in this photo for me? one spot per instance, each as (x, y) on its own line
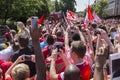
(53, 74)
(40, 64)
(106, 38)
(8, 72)
(100, 59)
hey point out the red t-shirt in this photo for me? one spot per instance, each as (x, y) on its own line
(60, 39)
(8, 78)
(41, 40)
(46, 51)
(60, 66)
(84, 71)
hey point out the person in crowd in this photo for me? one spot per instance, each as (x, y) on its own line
(23, 41)
(4, 65)
(23, 29)
(78, 50)
(7, 53)
(47, 50)
(44, 43)
(39, 59)
(100, 60)
(18, 70)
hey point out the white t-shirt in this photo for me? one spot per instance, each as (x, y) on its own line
(6, 53)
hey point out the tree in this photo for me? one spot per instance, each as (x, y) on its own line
(51, 5)
(67, 5)
(22, 9)
(99, 8)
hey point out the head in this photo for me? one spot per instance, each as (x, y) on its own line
(59, 34)
(13, 32)
(78, 50)
(20, 72)
(50, 40)
(75, 37)
(23, 40)
(1, 78)
(93, 26)
(28, 22)
(72, 73)
(16, 47)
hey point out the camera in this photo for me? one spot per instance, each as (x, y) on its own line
(97, 32)
(28, 57)
(58, 46)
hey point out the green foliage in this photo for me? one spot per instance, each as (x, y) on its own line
(14, 10)
(99, 8)
(51, 5)
(22, 9)
(67, 5)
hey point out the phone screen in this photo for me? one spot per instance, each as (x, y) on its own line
(34, 21)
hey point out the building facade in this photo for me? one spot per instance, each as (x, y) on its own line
(113, 8)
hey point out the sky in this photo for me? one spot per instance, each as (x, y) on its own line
(82, 4)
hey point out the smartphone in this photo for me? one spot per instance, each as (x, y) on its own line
(34, 21)
(27, 57)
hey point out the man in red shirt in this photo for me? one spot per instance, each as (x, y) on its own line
(77, 53)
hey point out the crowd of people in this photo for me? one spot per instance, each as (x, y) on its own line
(56, 51)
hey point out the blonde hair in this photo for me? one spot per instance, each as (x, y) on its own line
(20, 72)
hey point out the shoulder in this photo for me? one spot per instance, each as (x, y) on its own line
(61, 76)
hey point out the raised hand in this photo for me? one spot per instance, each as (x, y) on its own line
(36, 32)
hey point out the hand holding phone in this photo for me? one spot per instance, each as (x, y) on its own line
(27, 57)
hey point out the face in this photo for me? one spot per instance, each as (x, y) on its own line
(73, 56)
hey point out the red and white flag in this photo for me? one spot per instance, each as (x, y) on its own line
(96, 18)
(71, 15)
(56, 15)
(88, 18)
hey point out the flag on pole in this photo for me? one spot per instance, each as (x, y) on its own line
(90, 15)
(86, 21)
(40, 20)
(97, 18)
(88, 18)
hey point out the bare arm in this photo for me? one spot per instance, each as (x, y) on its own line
(90, 45)
(53, 74)
(40, 64)
(106, 38)
(100, 59)
(54, 29)
(8, 72)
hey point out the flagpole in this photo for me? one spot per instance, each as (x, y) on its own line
(89, 2)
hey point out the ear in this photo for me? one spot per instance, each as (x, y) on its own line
(75, 55)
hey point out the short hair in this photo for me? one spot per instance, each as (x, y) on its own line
(13, 32)
(94, 25)
(50, 40)
(20, 72)
(79, 48)
(23, 40)
(59, 33)
(28, 22)
(75, 37)
(72, 72)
